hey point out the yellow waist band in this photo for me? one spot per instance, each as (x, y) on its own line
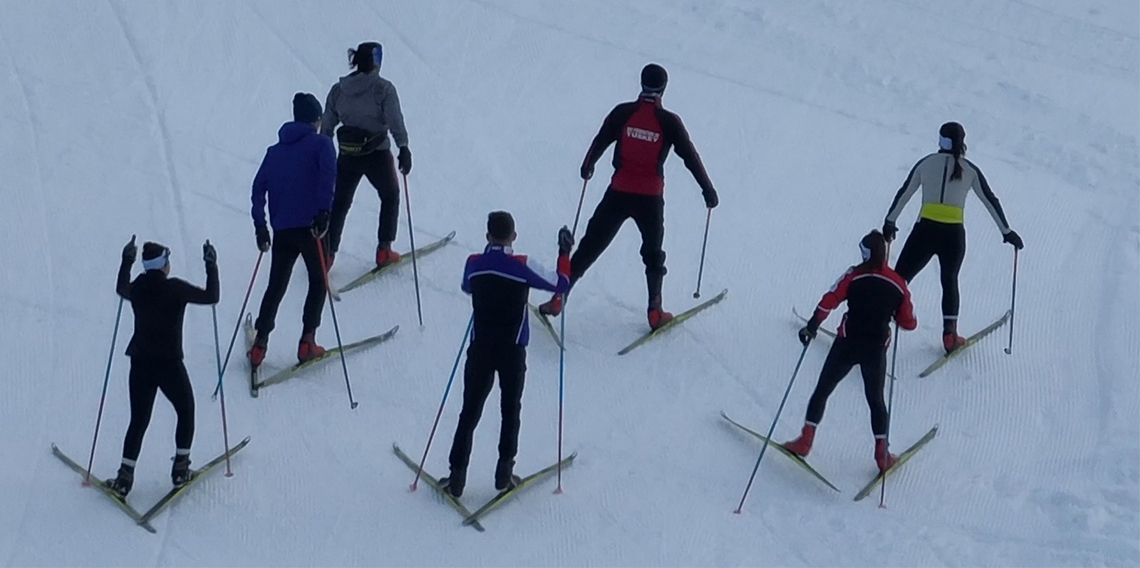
(942, 213)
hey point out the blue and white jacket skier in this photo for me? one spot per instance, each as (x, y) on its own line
(499, 283)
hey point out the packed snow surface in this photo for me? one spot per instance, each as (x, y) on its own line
(150, 118)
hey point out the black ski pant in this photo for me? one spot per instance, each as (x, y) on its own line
(845, 354)
(147, 377)
(648, 212)
(483, 361)
(287, 246)
(380, 169)
(947, 241)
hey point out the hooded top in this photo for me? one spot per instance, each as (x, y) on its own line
(298, 175)
(366, 101)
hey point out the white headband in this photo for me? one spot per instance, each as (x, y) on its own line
(945, 143)
(157, 263)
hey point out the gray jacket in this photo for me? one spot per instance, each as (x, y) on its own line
(368, 101)
(944, 199)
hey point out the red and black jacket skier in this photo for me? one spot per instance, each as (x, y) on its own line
(875, 294)
(643, 132)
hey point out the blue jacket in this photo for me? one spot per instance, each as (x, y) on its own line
(298, 174)
(499, 282)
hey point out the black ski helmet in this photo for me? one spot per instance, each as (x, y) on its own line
(873, 247)
(653, 79)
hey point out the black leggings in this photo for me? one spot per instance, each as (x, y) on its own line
(483, 361)
(381, 172)
(648, 212)
(947, 241)
(872, 361)
(147, 377)
(287, 246)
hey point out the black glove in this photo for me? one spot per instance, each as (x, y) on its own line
(130, 252)
(565, 240)
(890, 231)
(263, 240)
(405, 160)
(807, 333)
(587, 171)
(320, 224)
(711, 199)
(209, 254)
(1014, 239)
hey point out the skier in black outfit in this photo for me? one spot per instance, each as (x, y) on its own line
(369, 109)
(159, 304)
(874, 295)
(499, 283)
(947, 178)
(297, 176)
(643, 132)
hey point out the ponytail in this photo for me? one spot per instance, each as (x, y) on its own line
(957, 173)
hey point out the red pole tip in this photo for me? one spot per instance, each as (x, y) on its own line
(229, 474)
(558, 491)
(86, 483)
(736, 512)
(413, 487)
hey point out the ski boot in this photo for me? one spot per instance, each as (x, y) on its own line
(950, 338)
(802, 446)
(180, 473)
(553, 307)
(453, 484)
(385, 255)
(883, 458)
(122, 484)
(257, 352)
(505, 479)
(308, 349)
(658, 317)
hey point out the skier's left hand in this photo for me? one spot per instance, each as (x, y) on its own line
(320, 224)
(405, 160)
(711, 199)
(209, 254)
(130, 251)
(565, 240)
(806, 334)
(1014, 239)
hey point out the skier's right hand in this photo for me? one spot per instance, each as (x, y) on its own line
(806, 334)
(565, 240)
(209, 254)
(711, 199)
(263, 240)
(587, 171)
(130, 252)
(890, 231)
(320, 224)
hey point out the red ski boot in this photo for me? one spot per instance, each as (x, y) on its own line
(386, 256)
(802, 446)
(883, 458)
(257, 352)
(308, 349)
(658, 317)
(950, 338)
(553, 307)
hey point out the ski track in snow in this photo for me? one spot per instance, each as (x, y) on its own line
(807, 115)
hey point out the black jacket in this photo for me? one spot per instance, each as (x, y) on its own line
(159, 304)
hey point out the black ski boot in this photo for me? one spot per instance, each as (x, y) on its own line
(181, 474)
(505, 479)
(454, 483)
(122, 484)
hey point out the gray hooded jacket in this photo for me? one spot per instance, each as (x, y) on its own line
(367, 101)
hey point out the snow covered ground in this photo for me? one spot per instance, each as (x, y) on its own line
(150, 117)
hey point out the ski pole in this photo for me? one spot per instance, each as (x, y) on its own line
(578, 213)
(106, 379)
(890, 406)
(336, 326)
(561, 390)
(1012, 304)
(772, 429)
(222, 390)
(446, 391)
(412, 239)
(237, 326)
(704, 245)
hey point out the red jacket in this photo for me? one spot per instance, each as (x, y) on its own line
(874, 295)
(644, 133)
